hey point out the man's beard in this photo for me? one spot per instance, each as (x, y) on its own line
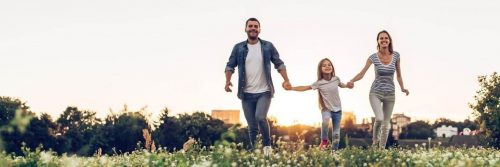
(252, 37)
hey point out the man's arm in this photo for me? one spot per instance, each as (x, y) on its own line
(231, 63)
(228, 81)
(286, 82)
(280, 66)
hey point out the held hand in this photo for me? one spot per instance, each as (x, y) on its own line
(405, 91)
(228, 86)
(350, 85)
(286, 85)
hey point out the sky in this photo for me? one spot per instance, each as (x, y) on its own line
(99, 55)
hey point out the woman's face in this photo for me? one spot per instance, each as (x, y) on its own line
(326, 67)
(383, 40)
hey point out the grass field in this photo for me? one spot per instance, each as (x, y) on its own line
(285, 154)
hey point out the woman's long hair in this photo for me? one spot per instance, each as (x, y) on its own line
(320, 76)
(390, 41)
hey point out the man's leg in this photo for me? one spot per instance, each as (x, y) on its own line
(249, 104)
(261, 110)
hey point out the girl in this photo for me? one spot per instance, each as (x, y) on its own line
(329, 101)
(382, 93)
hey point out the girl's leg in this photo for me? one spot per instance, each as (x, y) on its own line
(388, 105)
(325, 117)
(376, 104)
(324, 129)
(336, 118)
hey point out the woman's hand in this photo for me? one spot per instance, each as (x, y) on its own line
(350, 84)
(405, 91)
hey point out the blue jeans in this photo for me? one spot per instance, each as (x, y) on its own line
(255, 108)
(335, 117)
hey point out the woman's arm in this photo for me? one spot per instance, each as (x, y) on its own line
(400, 78)
(361, 74)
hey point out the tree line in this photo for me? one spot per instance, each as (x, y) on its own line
(80, 132)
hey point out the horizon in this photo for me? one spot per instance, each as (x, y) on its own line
(153, 117)
(99, 56)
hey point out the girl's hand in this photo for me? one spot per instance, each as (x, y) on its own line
(405, 91)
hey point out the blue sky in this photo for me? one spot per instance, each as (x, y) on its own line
(100, 55)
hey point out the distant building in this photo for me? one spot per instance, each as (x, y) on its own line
(398, 122)
(348, 117)
(466, 132)
(401, 119)
(228, 116)
(366, 125)
(446, 131)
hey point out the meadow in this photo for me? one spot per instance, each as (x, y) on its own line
(284, 154)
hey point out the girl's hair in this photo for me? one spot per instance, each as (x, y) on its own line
(320, 76)
(390, 41)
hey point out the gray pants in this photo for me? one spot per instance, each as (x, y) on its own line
(382, 104)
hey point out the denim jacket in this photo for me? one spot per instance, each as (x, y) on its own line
(238, 58)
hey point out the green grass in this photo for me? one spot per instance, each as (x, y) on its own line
(285, 154)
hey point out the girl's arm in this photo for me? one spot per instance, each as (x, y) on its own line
(342, 85)
(301, 88)
(400, 78)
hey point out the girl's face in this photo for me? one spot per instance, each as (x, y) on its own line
(326, 67)
(383, 40)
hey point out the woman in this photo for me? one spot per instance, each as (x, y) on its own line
(382, 93)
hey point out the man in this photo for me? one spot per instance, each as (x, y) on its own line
(255, 86)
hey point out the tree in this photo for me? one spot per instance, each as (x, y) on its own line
(444, 121)
(127, 131)
(8, 107)
(487, 107)
(41, 131)
(76, 128)
(15, 116)
(201, 126)
(472, 125)
(418, 130)
(172, 132)
(168, 132)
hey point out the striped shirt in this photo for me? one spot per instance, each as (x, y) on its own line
(384, 74)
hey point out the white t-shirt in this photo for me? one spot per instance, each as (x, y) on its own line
(254, 70)
(329, 90)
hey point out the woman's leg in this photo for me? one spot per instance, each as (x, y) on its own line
(376, 104)
(388, 105)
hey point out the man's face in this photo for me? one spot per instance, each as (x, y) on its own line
(253, 30)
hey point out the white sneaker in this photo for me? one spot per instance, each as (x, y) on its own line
(267, 150)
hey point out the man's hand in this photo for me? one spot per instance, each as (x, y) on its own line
(286, 85)
(228, 86)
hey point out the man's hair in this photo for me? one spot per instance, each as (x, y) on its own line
(252, 19)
